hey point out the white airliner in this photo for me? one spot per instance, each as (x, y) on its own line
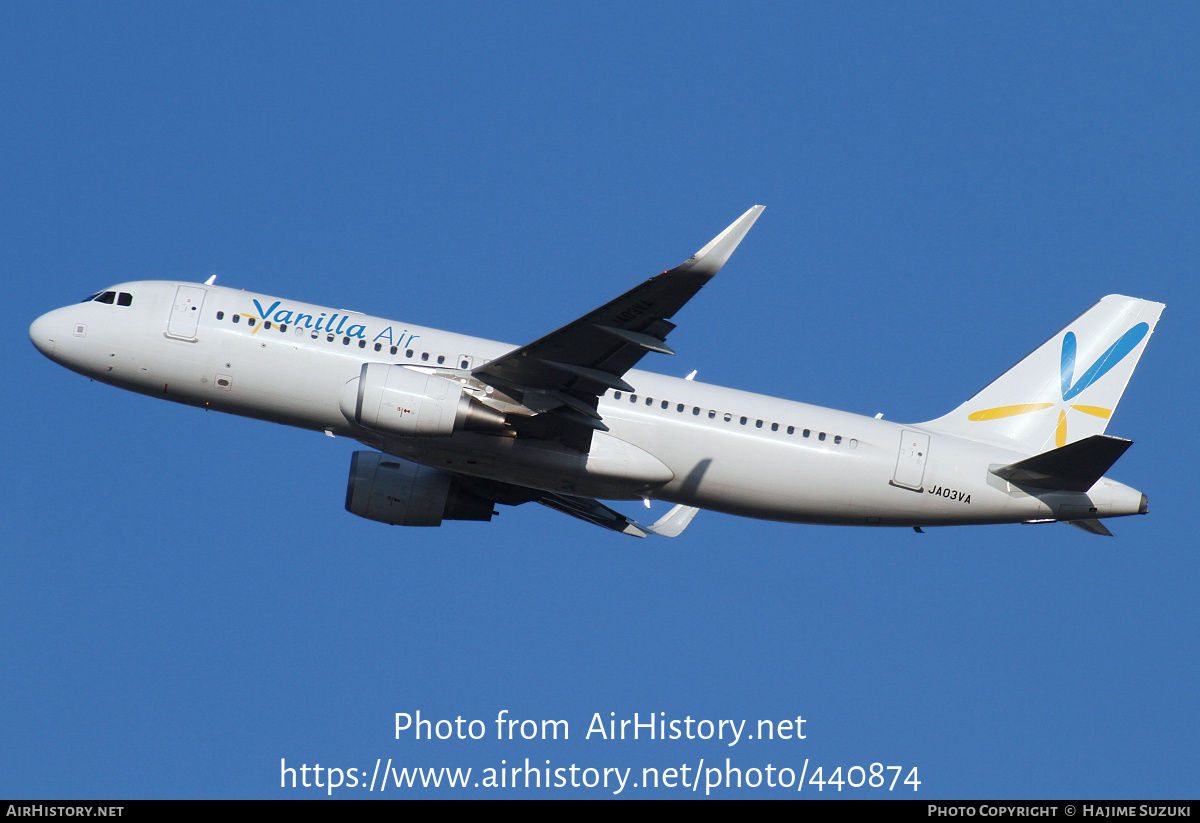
(458, 424)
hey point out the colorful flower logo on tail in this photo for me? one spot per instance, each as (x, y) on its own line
(1070, 390)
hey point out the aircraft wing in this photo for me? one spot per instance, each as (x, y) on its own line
(670, 524)
(566, 371)
(586, 509)
(594, 512)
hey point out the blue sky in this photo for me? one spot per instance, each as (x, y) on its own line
(184, 600)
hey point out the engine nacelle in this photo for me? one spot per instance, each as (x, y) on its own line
(390, 490)
(406, 402)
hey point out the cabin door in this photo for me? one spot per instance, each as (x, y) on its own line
(910, 463)
(185, 312)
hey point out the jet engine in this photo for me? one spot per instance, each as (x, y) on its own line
(411, 403)
(402, 493)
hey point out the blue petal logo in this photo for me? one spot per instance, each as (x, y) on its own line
(1115, 354)
(1102, 366)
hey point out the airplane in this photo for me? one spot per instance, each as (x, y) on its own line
(457, 425)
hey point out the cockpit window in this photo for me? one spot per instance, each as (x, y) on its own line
(90, 298)
(107, 297)
(124, 299)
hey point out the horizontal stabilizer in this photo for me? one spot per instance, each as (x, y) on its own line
(1074, 467)
(1091, 527)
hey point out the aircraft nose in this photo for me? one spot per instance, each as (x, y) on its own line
(42, 332)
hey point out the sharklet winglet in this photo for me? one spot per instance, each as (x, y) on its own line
(673, 522)
(709, 260)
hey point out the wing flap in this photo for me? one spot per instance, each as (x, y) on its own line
(647, 341)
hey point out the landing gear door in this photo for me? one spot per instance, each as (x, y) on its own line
(185, 312)
(910, 463)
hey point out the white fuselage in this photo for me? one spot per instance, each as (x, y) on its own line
(676, 440)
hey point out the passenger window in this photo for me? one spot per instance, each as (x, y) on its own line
(441, 359)
(220, 315)
(408, 353)
(237, 318)
(807, 432)
(728, 417)
(742, 421)
(250, 321)
(124, 299)
(712, 414)
(678, 408)
(464, 364)
(329, 338)
(425, 356)
(791, 429)
(821, 436)
(774, 427)
(362, 344)
(758, 424)
(695, 410)
(315, 335)
(393, 350)
(837, 440)
(616, 395)
(853, 443)
(267, 325)
(633, 398)
(649, 401)
(283, 327)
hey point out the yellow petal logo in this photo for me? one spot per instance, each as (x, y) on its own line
(1070, 387)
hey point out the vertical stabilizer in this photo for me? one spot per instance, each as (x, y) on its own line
(1068, 388)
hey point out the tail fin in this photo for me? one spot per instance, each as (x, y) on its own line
(1068, 388)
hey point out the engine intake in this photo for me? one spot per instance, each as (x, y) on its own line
(402, 493)
(403, 401)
